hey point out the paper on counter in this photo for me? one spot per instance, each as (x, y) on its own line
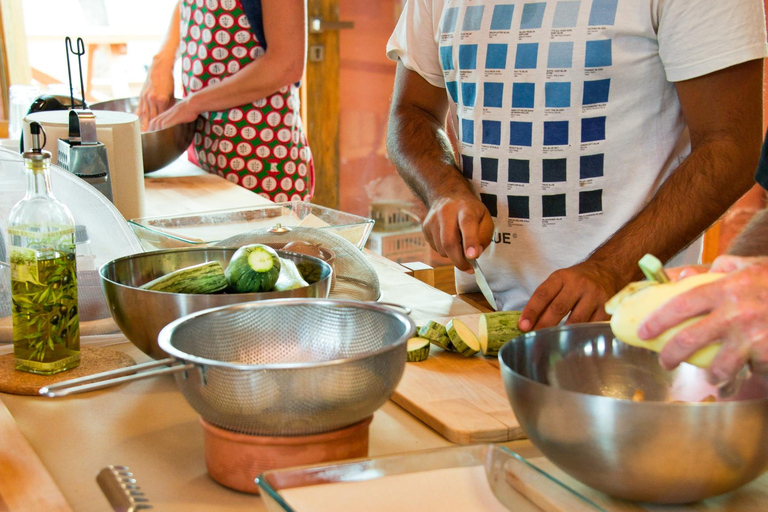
(468, 489)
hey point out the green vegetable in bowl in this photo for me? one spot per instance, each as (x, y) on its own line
(205, 277)
(253, 268)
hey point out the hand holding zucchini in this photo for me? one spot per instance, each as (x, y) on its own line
(637, 300)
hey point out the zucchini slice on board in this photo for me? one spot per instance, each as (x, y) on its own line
(418, 349)
(462, 338)
(495, 329)
(437, 334)
(205, 277)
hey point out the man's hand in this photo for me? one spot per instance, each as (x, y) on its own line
(735, 313)
(459, 227)
(581, 290)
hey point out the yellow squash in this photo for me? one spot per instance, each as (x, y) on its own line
(637, 300)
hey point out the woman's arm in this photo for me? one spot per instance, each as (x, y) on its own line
(285, 27)
(157, 93)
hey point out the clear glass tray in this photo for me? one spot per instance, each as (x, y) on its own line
(478, 478)
(202, 228)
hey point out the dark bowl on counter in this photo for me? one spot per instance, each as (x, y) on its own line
(141, 314)
(572, 390)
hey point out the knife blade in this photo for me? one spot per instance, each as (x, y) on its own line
(483, 284)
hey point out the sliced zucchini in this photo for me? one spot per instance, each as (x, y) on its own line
(205, 277)
(418, 349)
(495, 329)
(437, 334)
(462, 338)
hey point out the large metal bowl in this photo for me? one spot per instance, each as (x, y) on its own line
(158, 148)
(571, 388)
(141, 314)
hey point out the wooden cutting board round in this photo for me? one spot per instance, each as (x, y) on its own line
(92, 360)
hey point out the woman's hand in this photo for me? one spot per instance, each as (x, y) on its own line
(180, 113)
(156, 95)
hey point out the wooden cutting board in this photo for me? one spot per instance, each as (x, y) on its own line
(25, 483)
(461, 398)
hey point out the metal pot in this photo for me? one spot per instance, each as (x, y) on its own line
(572, 390)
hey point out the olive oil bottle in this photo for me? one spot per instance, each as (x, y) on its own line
(46, 329)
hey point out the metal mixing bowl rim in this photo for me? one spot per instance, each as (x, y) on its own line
(257, 295)
(96, 105)
(645, 403)
(164, 337)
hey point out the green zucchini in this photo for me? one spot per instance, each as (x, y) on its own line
(290, 277)
(436, 333)
(418, 349)
(495, 329)
(205, 277)
(253, 268)
(462, 338)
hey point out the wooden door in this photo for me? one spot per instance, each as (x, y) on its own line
(320, 101)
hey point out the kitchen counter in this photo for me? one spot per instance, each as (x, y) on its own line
(148, 425)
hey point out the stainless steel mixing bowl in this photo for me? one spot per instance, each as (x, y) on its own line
(158, 148)
(141, 314)
(571, 388)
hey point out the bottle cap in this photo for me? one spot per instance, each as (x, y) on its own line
(36, 152)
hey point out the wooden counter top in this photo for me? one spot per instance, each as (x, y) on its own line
(148, 425)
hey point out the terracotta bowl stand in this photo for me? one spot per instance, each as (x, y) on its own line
(235, 460)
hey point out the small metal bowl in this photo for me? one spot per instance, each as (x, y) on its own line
(141, 314)
(571, 388)
(158, 148)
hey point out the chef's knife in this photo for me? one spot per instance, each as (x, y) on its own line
(483, 284)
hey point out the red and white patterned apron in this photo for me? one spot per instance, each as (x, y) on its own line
(261, 145)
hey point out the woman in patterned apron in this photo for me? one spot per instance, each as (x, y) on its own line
(250, 130)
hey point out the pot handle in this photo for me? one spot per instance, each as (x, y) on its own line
(114, 377)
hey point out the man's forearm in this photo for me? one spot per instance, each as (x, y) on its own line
(723, 112)
(712, 177)
(421, 151)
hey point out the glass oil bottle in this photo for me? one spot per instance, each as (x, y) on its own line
(46, 330)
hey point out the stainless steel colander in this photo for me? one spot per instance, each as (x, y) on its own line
(281, 367)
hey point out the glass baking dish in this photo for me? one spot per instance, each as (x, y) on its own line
(480, 478)
(202, 228)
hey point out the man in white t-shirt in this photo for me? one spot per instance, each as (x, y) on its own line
(588, 133)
